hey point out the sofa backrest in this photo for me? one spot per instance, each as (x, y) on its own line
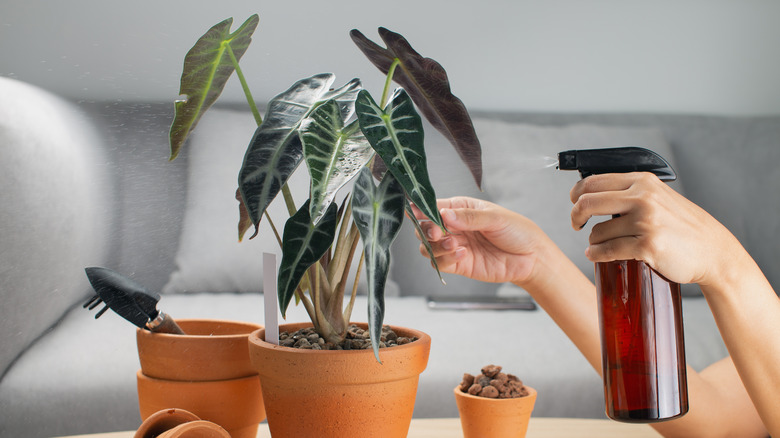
(725, 165)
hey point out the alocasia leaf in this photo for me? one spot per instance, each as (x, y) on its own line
(302, 245)
(396, 134)
(426, 82)
(378, 212)
(334, 154)
(207, 67)
(276, 151)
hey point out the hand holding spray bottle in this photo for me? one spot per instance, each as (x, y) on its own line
(640, 312)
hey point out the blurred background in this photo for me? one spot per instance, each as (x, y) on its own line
(692, 56)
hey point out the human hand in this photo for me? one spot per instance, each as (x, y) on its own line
(656, 224)
(484, 241)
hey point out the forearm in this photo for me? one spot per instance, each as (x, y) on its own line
(747, 312)
(569, 297)
(719, 406)
(727, 398)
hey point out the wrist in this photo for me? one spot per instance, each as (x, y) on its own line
(730, 271)
(550, 268)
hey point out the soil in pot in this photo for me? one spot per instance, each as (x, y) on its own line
(492, 383)
(357, 339)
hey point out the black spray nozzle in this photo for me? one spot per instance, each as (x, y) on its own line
(616, 160)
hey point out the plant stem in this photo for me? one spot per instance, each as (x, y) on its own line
(389, 80)
(288, 199)
(336, 267)
(245, 86)
(348, 310)
(273, 228)
(306, 304)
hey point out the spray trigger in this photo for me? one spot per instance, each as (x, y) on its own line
(616, 160)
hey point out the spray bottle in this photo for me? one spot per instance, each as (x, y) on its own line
(640, 312)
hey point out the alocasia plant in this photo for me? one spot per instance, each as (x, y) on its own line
(343, 135)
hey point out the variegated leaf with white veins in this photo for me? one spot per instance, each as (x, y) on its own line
(378, 212)
(334, 154)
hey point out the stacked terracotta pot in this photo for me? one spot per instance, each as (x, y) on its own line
(206, 372)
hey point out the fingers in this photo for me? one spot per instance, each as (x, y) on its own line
(482, 218)
(458, 214)
(637, 203)
(611, 194)
(454, 202)
(622, 226)
(592, 196)
(602, 183)
(622, 248)
(597, 204)
(446, 253)
(432, 231)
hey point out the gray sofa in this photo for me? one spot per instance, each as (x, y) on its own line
(89, 184)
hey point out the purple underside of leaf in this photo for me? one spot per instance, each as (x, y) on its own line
(427, 84)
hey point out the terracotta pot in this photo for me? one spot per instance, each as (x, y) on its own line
(211, 350)
(482, 417)
(175, 423)
(163, 420)
(339, 393)
(196, 429)
(207, 372)
(234, 404)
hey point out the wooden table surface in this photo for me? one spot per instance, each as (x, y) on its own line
(538, 428)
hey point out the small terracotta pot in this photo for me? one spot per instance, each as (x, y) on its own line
(211, 350)
(207, 372)
(197, 429)
(175, 423)
(336, 394)
(482, 417)
(163, 420)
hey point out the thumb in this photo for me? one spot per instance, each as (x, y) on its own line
(468, 219)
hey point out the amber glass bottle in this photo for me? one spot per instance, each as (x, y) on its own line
(643, 352)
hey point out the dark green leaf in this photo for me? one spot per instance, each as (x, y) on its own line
(426, 82)
(207, 68)
(378, 213)
(334, 154)
(302, 245)
(396, 134)
(276, 151)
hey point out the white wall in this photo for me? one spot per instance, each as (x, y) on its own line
(703, 56)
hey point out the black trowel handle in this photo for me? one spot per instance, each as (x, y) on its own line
(616, 160)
